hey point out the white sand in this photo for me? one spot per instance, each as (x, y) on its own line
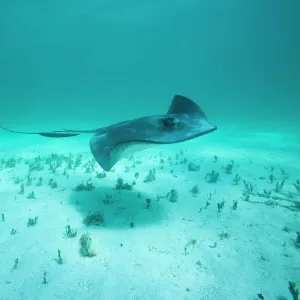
(257, 257)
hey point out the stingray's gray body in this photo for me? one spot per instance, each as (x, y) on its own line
(184, 121)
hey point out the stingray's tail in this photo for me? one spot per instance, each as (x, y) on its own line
(55, 134)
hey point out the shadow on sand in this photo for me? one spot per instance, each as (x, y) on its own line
(124, 207)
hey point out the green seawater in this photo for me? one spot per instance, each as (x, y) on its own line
(74, 64)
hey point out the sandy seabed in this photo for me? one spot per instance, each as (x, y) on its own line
(174, 230)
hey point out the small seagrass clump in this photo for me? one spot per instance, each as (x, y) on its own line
(85, 243)
(35, 166)
(279, 186)
(89, 186)
(220, 206)
(53, 185)
(120, 185)
(191, 242)
(235, 203)
(192, 167)
(22, 189)
(70, 232)
(151, 176)
(297, 185)
(212, 177)
(10, 163)
(148, 202)
(172, 196)
(16, 264)
(59, 259)
(294, 290)
(229, 167)
(224, 235)
(84, 187)
(40, 182)
(45, 281)
(248, 187)
(108, 200)
(195, 190)
(101, 175)
(32, 222)
(96, 219)
(17, 180)
(31, 196)
(236, 180)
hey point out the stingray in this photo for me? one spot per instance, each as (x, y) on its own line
(184, 121)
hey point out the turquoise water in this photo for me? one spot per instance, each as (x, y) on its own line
(102, 61)
(88, 64)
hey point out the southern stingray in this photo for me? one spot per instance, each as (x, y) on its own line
(184, 121)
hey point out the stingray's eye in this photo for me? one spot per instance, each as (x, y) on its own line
(171, 122)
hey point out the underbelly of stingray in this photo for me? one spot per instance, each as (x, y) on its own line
(108, 155)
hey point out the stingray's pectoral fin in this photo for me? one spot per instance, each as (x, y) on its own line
(101, 148)
(107, 150)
